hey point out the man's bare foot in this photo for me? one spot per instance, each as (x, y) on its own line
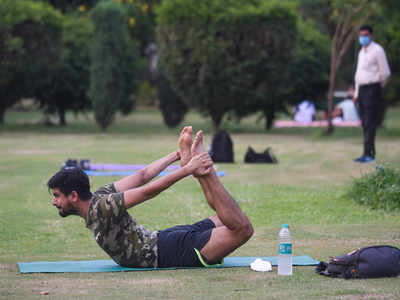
(184, 144)
(197, 148)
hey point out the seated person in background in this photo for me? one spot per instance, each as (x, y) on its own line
(304, 112)
(346, 111)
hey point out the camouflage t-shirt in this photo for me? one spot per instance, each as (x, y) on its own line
(117, 233)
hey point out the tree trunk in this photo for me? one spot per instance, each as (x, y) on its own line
(216, 121)
(61, 114)
(2, 113)
(269, 118)
(332, 77)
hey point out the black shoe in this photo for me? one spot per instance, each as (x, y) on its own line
(358, 159)
(365, 159)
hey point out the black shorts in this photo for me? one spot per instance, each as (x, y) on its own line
(176, 244)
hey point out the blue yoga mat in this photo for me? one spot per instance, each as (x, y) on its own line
(94, 266)
(125, 173)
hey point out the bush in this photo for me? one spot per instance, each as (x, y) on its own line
(172, 107)
(379, 190)
(309, 68)
(111, 63)
(70, 80)
(227, 55)
(30, 48)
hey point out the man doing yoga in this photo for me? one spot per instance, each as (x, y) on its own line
(130, 244)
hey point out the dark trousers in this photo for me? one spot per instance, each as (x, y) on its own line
(370, 107)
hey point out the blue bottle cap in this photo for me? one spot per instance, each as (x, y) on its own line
(285, 226)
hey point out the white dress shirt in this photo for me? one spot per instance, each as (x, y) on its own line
(372, 66)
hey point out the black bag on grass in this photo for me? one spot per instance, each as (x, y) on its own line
(222, 148)
(367, 262)
(266, 157)
(70, 164)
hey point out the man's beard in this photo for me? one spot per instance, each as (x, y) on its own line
(66, 213)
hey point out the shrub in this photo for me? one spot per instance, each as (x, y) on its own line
(30, 48)
(379, 190)
(227, 55)
(70, 80)
(111, 63)
(172, 107)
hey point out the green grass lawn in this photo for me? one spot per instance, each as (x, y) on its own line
(306, 189)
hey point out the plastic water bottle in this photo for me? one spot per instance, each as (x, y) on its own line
(285, 251)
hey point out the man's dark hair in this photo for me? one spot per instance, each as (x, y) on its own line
(367, 28)
(73, 179)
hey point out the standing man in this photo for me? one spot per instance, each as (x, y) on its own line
(371, 76)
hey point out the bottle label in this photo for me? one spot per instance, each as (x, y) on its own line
(285, 248)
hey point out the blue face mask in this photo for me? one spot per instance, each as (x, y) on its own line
(364, 40)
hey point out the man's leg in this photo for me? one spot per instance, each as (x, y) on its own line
(233, 228)
(370, 101)
(369, 131)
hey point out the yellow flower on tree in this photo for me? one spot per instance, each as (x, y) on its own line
(81, 8)
(132, 21)
(145, 7)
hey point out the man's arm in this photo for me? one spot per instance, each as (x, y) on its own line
(140, 194)
(146, 174)
(384, 69)
(356, 84)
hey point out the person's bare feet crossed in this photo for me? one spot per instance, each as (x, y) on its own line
(187, 149)
(198, 148)
(185, 144)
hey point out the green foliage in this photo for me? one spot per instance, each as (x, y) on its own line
(71, 5)
(146, 94)
(141, 20)
(386, 33)
(70, 81)
(319, 11)
(111, 63)
(309, 67)
(30, 39)
(172, 107)
(379, 190)
(226, 55)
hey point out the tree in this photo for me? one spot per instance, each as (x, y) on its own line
(172, 107)
(67, 89)
(346, 17)
(226, 55)
(141, 19)
(111, 63)
(387, 33)
(30, 39)
(309, 66)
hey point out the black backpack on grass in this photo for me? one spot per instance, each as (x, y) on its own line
(252, 156)
(222, 148)
(367, 262)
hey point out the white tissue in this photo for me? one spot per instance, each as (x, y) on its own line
(261, 265)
